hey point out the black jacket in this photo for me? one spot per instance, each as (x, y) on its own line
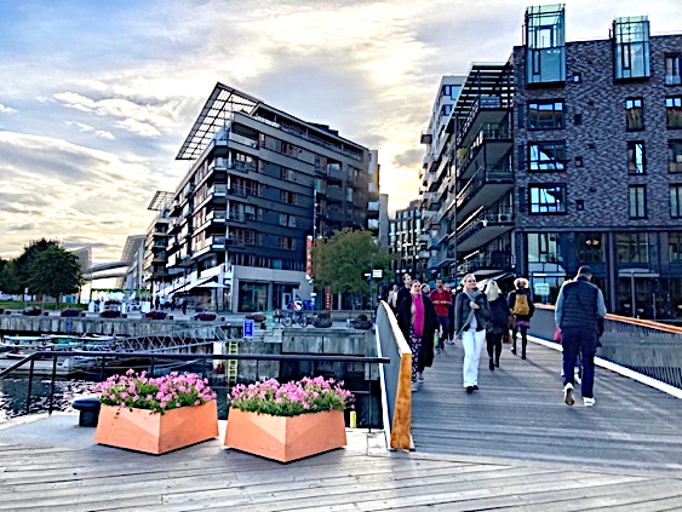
(462, 310)
(499, 311)
(430, 325)
(403, 293)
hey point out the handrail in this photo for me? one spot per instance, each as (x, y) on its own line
(401, 408)
(629, 320)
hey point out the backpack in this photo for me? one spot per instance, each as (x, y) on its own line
(521, 304)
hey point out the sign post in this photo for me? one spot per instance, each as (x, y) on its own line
(248, 329)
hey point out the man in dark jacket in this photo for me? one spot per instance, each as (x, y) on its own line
(578, 308)
(404, 292)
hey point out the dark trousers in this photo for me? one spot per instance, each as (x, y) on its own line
(415, 346)
(494, 345)
(524, 338)
(444, 322)
(579, 341)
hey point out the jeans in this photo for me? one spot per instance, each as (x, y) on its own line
(472, 341)
(444, 322)
(575, 340)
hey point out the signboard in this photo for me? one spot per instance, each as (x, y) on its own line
(541, 289)
(328, 298)
(248, 329)
(377, 274)
(309, 256)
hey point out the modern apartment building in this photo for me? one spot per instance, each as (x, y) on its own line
(405, 241)
(598, 161)
(260, 182)
(436, 180)
(571, 154)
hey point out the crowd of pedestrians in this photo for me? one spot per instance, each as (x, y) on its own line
(475, 315)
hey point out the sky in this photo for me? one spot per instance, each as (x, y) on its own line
(96, 98)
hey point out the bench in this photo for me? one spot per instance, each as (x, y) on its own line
(89, 411)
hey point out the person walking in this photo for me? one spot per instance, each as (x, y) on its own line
(404, 292)
(521, 304)
(579, 309)
(442, 300)
(451, 314)
(418, 323)
(499, 323)
(472, 314)
(393, 297)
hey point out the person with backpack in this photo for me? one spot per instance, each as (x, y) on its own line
(521, 304)
(499, 323)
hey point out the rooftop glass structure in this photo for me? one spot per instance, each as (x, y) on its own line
(545, 40)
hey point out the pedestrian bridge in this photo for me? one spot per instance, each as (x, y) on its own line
(519, 413)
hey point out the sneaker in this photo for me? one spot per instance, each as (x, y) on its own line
(470, 389)
(497, 363)
(420, 376)
(450, 342)
(568, 394)
(438, 351)
(415, 387)
(589, 401)
(576, 377)
(491, 364)
(476, 388)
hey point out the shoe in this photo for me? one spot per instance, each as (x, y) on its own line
(576, 378)
(450, 342)
(589, 401)
(420, 376)
(491, 365)
(438, 351)
(475, 387)
(497, 363)
(470, 389)
(513, 351)
(415, 387)
(568, 394)
(523, 355)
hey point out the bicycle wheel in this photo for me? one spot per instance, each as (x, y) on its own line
(287, 321)
(303, 320)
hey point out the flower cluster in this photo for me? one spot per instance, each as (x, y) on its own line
(161, 394)
(291, 399)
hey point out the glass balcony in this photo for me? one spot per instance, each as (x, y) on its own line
(545, 40)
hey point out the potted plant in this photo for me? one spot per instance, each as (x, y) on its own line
(288, 421)
(156, 415)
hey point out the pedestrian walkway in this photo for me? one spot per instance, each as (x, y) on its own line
(518, 414)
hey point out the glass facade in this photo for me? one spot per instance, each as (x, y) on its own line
(547, 198)
(545, 39)
(631, 48)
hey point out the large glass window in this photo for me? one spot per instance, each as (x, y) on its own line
(634, 114)
(543, 248)
(547, 198)
(252, 296)
(676, 201)
(636, 164)
(675, 155)
(672, 69)
(547, 156)
(632, 247)
(631, 47)
(589, 247)
(673, 111)
(546, 114)
(637, 199)
(675, 247)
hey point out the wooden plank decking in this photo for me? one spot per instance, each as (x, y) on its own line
(504, 448)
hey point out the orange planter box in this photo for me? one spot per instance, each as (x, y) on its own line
(285, 438)
(145, 431)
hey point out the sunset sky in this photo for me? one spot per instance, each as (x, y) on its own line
(97, 97)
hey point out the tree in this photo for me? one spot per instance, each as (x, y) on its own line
(21, 270)
(10, 279)
(342, 261)
(53, 272)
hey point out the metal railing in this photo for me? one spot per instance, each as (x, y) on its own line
(650, 348)
(101, 357)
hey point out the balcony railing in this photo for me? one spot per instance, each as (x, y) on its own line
(484, 219)
(488, 132)
(484, 176)
(484, 260)
(490, 102)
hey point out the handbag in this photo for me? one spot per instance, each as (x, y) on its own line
(557, 334)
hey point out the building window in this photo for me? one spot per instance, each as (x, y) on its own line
(286, 219)
(632, 247)
(547, 198)
(631, 49)
(676, 201)
(578, 161)
(543, 248)
(546, 115)
(590, 247)
(634, 114)
(672, 69)
(289, 175)
(636, 163)
(673, 111)
(675, 247)
(289, 197)
(576, 78)
(547, 156)
(637, 194)
(286, 242)
(675, 155)
(447, 110)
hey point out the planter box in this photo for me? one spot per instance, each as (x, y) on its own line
(285, 438)
(144, 431)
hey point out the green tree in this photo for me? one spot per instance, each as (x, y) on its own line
(21, 270)
(342, 261)
(53, 272)
(10, 279)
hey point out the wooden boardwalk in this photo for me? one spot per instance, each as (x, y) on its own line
(511, 446)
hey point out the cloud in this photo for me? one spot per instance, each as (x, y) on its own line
(6, 110)
(410, 158)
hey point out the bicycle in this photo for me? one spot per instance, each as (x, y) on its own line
(291, 317)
